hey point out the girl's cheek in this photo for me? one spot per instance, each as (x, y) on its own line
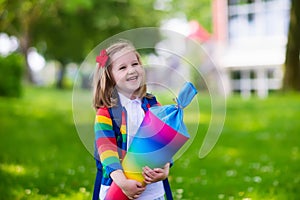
(141, 70)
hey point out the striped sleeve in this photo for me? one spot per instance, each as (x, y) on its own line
(106, 141)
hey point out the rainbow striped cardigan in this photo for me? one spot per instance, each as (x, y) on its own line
(111, 136)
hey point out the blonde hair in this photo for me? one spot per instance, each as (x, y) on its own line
(104, 92)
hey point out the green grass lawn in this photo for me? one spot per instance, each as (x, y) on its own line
(256, 157)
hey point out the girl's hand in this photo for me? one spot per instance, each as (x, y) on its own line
(156, 174)
(132, 189)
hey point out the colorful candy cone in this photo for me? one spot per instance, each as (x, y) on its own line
(161, 134)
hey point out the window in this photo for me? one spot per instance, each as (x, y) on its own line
(257, 18)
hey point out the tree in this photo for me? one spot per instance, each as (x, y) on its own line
(80, 26)
(67, 30)
(18, 18)
(291, 80)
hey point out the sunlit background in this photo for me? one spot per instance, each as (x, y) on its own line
(246, 55)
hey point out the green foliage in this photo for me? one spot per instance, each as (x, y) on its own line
(67, 31)
(80, 28)
(11, 71)
(257, 156)
(200, 11)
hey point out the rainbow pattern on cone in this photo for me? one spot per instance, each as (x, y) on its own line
(161, 134)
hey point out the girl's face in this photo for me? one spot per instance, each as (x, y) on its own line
(127, 73)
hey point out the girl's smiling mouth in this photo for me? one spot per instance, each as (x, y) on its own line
(132, 78)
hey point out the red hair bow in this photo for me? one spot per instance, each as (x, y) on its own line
(102, 58)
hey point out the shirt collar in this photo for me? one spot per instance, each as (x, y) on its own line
(124, 100)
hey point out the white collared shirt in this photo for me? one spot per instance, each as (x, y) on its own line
(135, 116)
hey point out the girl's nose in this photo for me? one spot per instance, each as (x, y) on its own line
(131, 70)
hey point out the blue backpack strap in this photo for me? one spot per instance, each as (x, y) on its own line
(167, 189)
(97, 184)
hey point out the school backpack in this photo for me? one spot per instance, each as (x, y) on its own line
(116, 116)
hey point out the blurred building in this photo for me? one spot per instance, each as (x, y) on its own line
(250, 40)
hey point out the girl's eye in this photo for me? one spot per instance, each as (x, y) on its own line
(135, 64)
(122, 68)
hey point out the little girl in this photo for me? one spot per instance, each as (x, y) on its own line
(119, 80)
